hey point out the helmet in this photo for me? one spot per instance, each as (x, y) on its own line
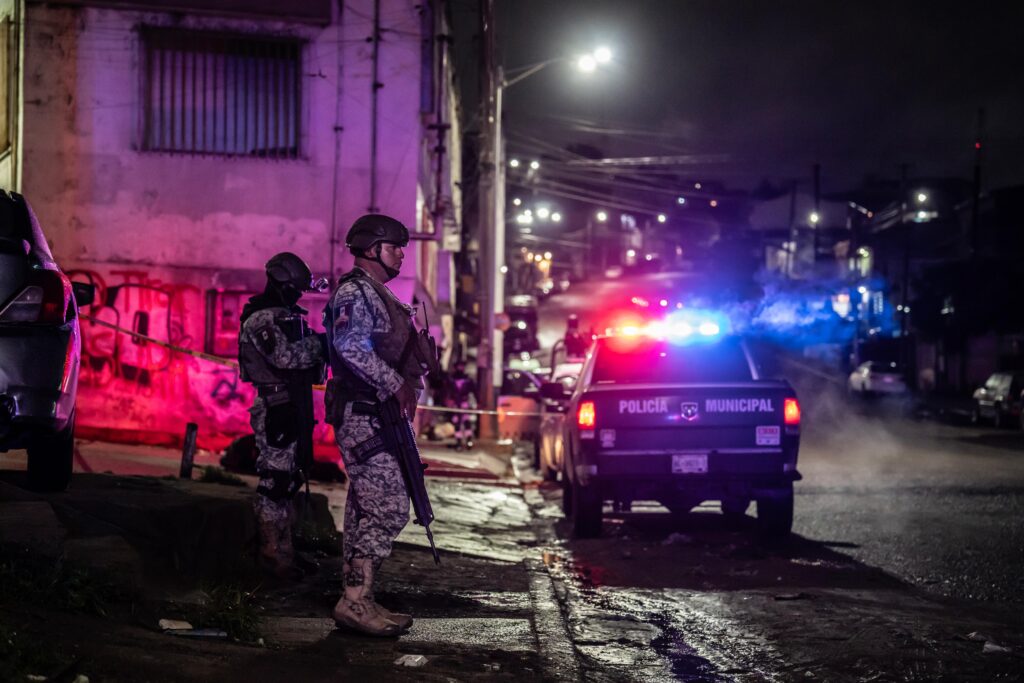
(288, 270)
(372, 228)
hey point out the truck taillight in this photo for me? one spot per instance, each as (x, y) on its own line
(791, 411)
(43, 300)
(587, 415)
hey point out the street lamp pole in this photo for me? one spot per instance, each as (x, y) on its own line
(491, 280)
(491, 233)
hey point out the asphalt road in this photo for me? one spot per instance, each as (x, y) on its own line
(908, 538)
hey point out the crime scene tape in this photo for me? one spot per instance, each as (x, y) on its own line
(227, 362)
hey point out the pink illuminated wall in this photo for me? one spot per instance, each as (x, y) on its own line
(175, 242)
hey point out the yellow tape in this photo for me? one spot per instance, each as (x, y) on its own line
(227, 362)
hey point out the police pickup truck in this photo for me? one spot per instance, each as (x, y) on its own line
(679, 419)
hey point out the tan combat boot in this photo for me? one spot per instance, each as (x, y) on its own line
(404, 621)
(356, 609)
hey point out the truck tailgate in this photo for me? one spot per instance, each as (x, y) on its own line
(681, 418)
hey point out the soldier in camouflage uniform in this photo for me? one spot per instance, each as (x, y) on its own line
(279, 355)
(369, 336)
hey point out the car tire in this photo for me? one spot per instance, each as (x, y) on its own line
(586, 512)
(1000, 416)
(51, 460)
(775, 513)
(547, 470)
(976, 414)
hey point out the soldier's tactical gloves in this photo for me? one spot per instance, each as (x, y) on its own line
(407, 401)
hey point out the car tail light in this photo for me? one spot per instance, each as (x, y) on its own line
(43, 300)
(791, 411)
(587, 415)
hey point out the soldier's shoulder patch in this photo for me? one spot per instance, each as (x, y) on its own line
(263, 337)
(342, 315)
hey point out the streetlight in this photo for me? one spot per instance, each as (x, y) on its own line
(491, 234)
(602, 216)
(534, 165)
(543, 213)
(922, 197)
(587, 64)
(815, 218)
(662, 218)
(556, 217)
(514, 163)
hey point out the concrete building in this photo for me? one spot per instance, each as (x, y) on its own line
(169, 147)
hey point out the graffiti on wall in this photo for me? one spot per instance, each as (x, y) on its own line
(129, 383)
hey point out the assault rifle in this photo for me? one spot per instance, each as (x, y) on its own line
(401, 442)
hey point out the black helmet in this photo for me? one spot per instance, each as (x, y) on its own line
(288, 270)
(372, 228)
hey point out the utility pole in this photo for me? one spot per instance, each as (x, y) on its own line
(815, 224)
(792, 248)
(905, 286)
(976, 200)
(491, 234)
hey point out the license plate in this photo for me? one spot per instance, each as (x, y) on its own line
(690, 464)
(768, 435)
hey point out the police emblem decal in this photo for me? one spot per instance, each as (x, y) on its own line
(690, 412)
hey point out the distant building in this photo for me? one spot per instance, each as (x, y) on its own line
(170, 147)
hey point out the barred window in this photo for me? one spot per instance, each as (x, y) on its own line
(215, 93)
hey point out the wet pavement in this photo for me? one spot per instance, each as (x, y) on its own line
(904, 566)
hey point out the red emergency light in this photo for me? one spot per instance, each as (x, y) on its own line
(587, 415)
(791, 411)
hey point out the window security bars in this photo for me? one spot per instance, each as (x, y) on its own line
(226, 94)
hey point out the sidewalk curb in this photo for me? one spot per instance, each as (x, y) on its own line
(553, 642)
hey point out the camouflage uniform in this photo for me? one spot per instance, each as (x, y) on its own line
(276, 439)
(377, 508)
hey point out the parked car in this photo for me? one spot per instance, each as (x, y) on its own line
(877, 377)
(521, 336)
(40, 344)
(999, 399)
(554, 404)
(518, 401)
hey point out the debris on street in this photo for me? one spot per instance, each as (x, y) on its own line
(411, 660)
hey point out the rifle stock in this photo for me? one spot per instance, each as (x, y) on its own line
(402, 442)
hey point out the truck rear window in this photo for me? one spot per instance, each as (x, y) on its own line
(657, 362)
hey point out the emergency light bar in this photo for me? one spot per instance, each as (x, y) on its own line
(677, 326)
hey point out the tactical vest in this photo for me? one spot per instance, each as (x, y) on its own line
(254, 367)
(396, 348)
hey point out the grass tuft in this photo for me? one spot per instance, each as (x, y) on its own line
(231, 608)
(26, 577)
(215, 475)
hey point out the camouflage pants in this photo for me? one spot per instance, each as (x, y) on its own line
(271, 514)
(377, 508)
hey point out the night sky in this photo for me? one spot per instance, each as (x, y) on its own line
(858, 86)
